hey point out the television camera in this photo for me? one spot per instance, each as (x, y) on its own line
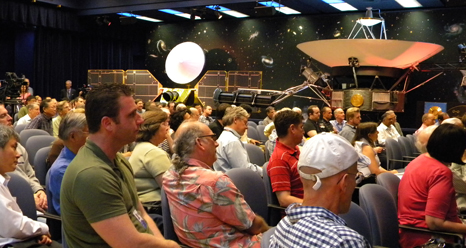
(10, 87)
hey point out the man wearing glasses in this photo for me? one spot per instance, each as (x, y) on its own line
(328, 169)
(206, 207)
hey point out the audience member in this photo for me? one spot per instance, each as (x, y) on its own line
(353, 118)
(245, 137)
(140, 105)
(364, 143)
(178, 117)
(199, 108)
(386, 128)
(38, 99)
(217, 125)
(63, 108)
(422, 138)
(427, 120)
(23, 94)
(270, 111)
(194, 114)
(48, 110)
(328, 170)
(150, 105)
(180, 106)
(283, 164)
(73, 131)
(297, 110)
(24, 168)
(79, 103)
(426, 197)
(312, 127)
(206, 116)
(99, 203)
(148, 161)
(16, 230)
(23, 111)
(230, 151)
(33, 111)
(326, 116)
(206, 207)
(441, 117)
(171, 107)
(30, 90)
(68, 93)
(339, 121)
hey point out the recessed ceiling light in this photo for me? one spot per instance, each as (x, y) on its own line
(280, 8)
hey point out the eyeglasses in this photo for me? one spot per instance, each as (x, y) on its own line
(213, 136)
(358, 177)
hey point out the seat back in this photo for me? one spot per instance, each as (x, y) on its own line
(265, 243)
(260, 130)
(19, 187)
(274, 213)
(250, 184)
(390, 182)
(40, 165)
(393, 152)
(379, 206)
(168, 229)
(34, 143)
(27, 133)
(412, 140)
(406, 144)
(20, 127)
(251, 123)
(253, 133)
(255, 154)
(356, 219)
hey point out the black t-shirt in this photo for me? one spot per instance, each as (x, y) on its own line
(326, 126)
(311, 125)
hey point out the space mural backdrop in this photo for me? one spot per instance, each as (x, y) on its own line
(269, 45)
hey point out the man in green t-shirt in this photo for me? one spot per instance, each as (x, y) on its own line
(99, 202)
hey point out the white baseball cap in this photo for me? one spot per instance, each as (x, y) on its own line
(330, 154)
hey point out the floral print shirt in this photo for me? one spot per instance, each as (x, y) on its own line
(207, 209)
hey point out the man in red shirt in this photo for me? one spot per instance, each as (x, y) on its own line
(283, 164)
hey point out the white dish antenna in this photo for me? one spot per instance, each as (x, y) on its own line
(185, 62)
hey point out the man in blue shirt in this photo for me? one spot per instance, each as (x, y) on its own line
(328, 169)
(73, 131)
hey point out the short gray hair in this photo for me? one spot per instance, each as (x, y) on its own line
(233, 113)
(70, 123)
(6, 134)
(32, 106)
(185, 143)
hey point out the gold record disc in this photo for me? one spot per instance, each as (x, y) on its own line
(357, 100)
(435, 110)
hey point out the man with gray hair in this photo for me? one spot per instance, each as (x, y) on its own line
(328, 169)
(33, 111)
(73, 131)
(387, 128)
(339, 121)
(231, 152)
(206, 207)
(24, 168)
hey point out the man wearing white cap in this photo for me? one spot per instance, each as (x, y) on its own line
(328, 169)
